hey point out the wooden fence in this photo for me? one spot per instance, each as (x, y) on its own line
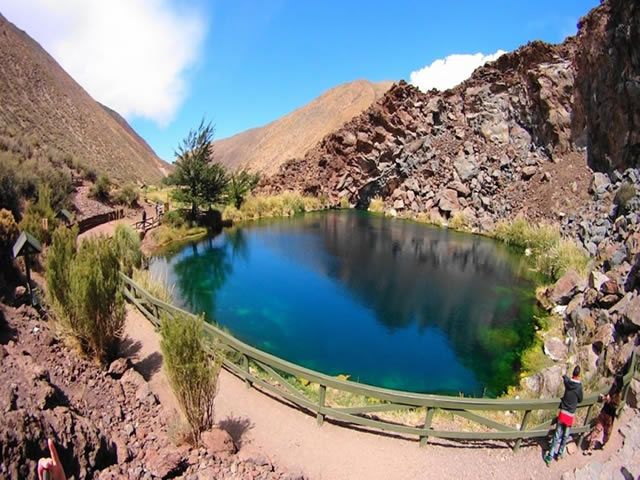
(239, 357)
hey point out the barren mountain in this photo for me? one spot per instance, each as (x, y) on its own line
(39, 101)
(265, 148)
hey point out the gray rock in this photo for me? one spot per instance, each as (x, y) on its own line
(632, 311)
(460, 187)
(555, 349)
(467, 167)
(599, 183)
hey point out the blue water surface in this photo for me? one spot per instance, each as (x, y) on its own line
(388, 302)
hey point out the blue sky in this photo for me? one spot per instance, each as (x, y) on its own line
(165, 64)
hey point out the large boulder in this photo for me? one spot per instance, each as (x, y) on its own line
(555, 349)
(566, 287)
(466, 166)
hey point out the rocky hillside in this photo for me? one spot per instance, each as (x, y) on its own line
(513, 139)
(266, 148)
(41, 104)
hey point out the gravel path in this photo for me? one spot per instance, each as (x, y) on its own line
(263, 425)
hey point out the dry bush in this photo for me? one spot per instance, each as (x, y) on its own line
(192, 374)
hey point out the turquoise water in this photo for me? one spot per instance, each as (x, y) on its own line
(388, 302)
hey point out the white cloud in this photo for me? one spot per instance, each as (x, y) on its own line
(450, 71)
(131, 55)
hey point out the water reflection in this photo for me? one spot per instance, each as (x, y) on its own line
(328, 276)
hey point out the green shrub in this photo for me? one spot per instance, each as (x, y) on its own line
(458, 221)
(88, 173)
(192, 374)
(376, 205)
(32, 221)
(100, 191)
(282, 205)
(127, 195)
(8, 233)
(624, 195)
(59, 257)
(9, 196)
(174, 218)
(155, 287)
(95, 311)
(126, 242)
(344, 202)
(552, 253)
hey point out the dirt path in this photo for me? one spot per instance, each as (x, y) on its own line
(290, 438)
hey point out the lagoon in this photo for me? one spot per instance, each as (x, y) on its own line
(388, 302)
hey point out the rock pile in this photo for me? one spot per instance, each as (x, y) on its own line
(511, 140)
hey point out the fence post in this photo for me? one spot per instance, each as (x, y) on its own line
(585, 423)
(523, 426)
(245, 366)
(427, 425)
(321, 398)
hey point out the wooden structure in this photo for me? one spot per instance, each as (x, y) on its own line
(65, 217)
(25, 246)
(275, 372)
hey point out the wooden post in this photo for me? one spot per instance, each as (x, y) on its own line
(523, 426)
(427, 425)
(245, 366)
(586, 422)
(27, 267)
(320, 415)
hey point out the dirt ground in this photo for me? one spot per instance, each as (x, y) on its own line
(269, 426)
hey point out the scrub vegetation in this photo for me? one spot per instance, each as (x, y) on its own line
(552, 253)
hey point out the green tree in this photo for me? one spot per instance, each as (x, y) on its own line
(241, 183)
(199, 182)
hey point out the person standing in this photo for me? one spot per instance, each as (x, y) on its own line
(604, 422)
(568, 405)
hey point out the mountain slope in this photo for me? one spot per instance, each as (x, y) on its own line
(266, 148)
(510, 140)
(39, 100)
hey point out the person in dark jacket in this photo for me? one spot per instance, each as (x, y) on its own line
(568, 405)
(604, 423)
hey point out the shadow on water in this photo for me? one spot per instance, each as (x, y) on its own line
(476, 294)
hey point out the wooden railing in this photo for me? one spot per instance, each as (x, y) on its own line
(239, 356)
(148, 224)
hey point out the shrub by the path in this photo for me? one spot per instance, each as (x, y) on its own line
(126, 242)
(95, 310)
(59, 257)
(193, 375)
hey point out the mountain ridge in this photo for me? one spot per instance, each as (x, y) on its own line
(41, 100)
(267, 147)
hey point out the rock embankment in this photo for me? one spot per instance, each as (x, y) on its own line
(105, 423)
(511, 140)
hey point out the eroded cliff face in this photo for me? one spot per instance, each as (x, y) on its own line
(513, 139)
(608, 84)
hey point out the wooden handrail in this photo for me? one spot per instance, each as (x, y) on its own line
(397, 400)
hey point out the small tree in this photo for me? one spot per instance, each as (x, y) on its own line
(198, 181)
(96, 311)
(192, 375)
(240, 184)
